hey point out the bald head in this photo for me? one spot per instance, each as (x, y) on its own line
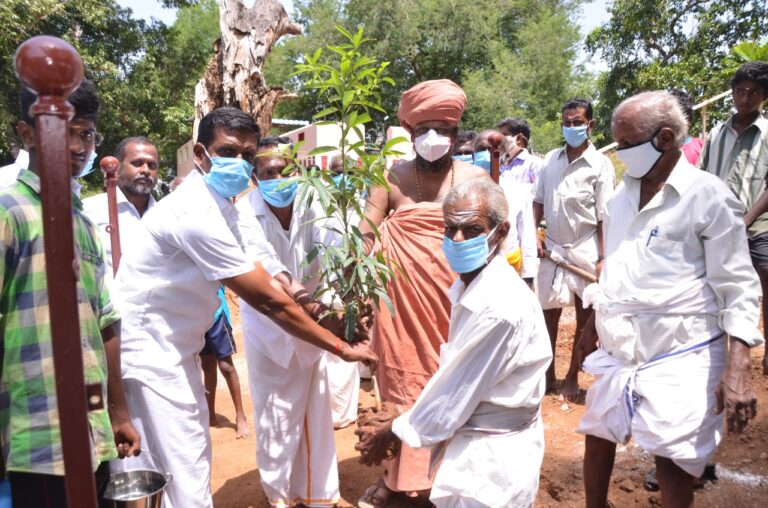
(642, 116)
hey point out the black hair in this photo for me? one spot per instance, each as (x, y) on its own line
(275, 141)
(515, 126)
(227, 118)
(752, 71)
(121, 146)
(575, 103)
(464, 136)
(84, 100)
(686, 103)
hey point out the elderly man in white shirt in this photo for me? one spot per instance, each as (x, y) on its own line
(295, 449)
(136, 178)
(574, 185)
(480, 411)
(677, 281)
(191, 243)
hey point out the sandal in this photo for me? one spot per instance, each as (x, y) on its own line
(373, 497)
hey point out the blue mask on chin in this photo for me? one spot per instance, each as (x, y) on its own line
(228, 176)
(88, 168)
(469, 255)
(483, 160)
(279, 197)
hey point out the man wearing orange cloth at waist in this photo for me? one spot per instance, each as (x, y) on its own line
(410, 220)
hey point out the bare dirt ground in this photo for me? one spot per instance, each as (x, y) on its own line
(742, 461)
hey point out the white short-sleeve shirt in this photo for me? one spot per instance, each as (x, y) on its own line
(166, 287)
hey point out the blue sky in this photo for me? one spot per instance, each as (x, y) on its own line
(594, 13)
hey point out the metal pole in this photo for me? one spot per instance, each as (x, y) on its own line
(109, 165)
(53, 69)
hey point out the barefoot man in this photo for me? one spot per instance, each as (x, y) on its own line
(676, 309)
(479, 413)
(410, 220)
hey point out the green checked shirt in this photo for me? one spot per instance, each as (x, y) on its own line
(29, 418)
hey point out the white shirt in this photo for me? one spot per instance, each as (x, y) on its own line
(97, 209)
(291, 247)
(9, 173)
(574, 194)
(681, 262)
(167, 288)
(492, 369)
(522, 233)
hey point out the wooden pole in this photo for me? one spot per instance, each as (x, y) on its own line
(591, 277)
(110, 165)
(496, 141)
(53, 69)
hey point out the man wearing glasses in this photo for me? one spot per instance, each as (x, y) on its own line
(737, 152)
(29, 419)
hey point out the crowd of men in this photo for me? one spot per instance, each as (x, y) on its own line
(665, 271)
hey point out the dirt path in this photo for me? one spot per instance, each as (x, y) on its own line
(742, 462)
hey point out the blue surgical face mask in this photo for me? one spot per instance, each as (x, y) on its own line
(228, 176)
(483, 159)
(469, 255)
(88, 168)
(464, 157)
(338, 180)
(575, 136)
(279, 198)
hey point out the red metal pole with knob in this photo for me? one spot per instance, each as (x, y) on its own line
(496, 140)
(52, 68)
(110, 165)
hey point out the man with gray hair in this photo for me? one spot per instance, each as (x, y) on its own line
(480, 411)
(677, 280)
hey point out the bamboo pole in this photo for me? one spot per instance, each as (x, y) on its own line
(572, 268)
(53, 69)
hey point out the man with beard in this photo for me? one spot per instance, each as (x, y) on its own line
(136, 178)
(410, 220)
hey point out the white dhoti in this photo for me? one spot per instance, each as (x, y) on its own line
(344, 383)
(666, 404)
(557, 285)
(490, 470)
(177, 434)
(295, 448)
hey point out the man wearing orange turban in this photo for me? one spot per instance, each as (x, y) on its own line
(409, 217)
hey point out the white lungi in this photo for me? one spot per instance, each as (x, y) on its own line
(477, 464)
(295, 449)
(666, 405)
(344, 383)
(178, 435)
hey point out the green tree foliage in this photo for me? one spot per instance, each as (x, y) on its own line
(659, 44)
(144, 73)
(513, 57)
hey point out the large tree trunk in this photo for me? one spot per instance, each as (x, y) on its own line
(234, 76)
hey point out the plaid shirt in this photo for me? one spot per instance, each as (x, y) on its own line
(29, 418)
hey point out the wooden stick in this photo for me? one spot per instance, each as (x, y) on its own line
(53, 69)
(109, 165)
(572, 268)
(376, 394)
(496, 141)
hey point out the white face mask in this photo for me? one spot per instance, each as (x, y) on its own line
(640, 158)
(431, 146)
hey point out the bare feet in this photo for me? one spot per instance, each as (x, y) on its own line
(765, 364)
(570, 389)
(242, 431)
(213, 421)
(375, 496)
(551, 386)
